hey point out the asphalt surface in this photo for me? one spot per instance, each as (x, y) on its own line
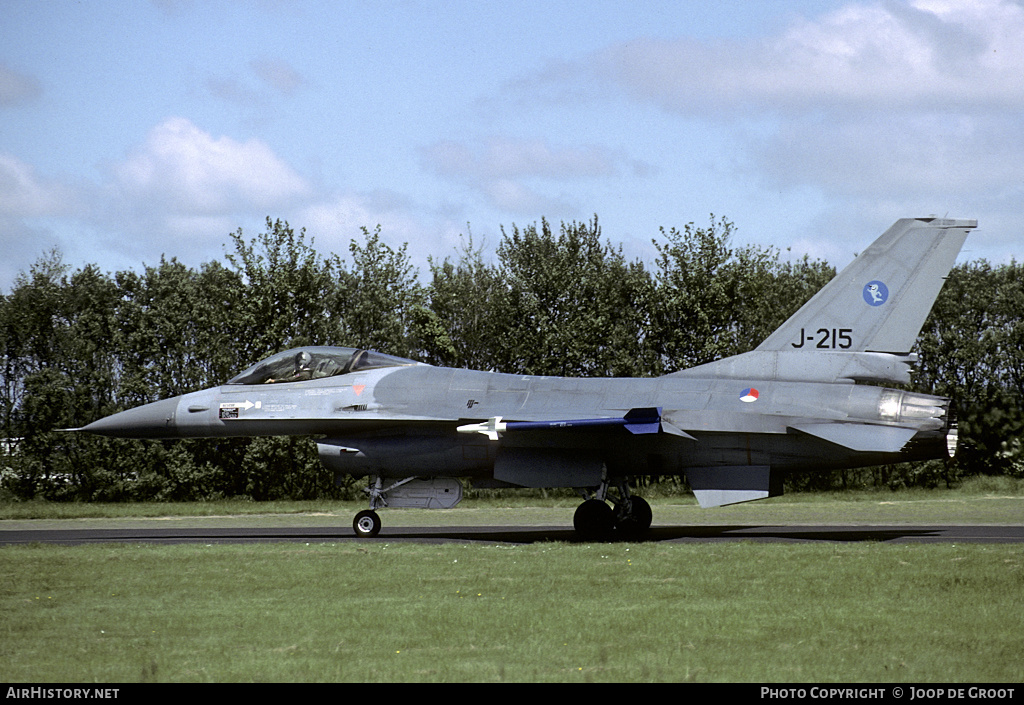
(523, 534)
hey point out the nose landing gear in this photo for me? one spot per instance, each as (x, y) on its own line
(408, 492)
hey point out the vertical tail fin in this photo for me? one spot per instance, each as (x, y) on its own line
(880, 301)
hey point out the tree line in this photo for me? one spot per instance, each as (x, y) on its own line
(79, 345)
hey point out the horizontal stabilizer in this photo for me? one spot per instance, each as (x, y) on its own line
(718, 486)
(865, 438)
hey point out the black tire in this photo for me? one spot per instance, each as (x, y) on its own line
(594, 520)
(638, 521)
(366, 524)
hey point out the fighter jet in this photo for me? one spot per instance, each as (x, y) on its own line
(808, 397)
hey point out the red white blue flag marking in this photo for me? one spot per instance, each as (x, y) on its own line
(749, 395)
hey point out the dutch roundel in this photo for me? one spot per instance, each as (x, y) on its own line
(749, 395)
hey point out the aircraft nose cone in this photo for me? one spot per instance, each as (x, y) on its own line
(154, 420)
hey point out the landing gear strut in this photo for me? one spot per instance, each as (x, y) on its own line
(367, 522)
(629, 516)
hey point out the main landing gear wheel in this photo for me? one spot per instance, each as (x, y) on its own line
(637, 518)
(628, 516)
(594, 520)
(366, 524)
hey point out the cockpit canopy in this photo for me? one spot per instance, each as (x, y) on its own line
(315, 362)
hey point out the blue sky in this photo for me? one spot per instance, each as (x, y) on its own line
(131, 130)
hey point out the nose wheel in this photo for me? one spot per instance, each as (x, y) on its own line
(366, 524)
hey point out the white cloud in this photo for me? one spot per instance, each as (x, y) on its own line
(925, 54)
(16, 87)
(512, 173)
(25, 195)
(337, 220)
(187, 171)
(275, 74)
(182, 191)
(880, 110)
(877, 156)
(504, 158)
(278, 74)
(515, 197)
(28, 205)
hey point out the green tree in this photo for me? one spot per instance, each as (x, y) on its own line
(714, 301)
(285, 468)
(970, 351)
(462, 323)
(64, 330)
(287, 289)
(375, 300)
(574, 306)
(176, 330)
(768, 291)
(695, 308)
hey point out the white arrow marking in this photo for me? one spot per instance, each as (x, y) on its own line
(245, 406)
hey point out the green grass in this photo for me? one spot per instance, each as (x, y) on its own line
(977, 501)
(374, 611)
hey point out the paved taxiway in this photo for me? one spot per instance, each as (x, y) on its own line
(522, 534)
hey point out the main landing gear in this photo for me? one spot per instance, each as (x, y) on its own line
(628, 516)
